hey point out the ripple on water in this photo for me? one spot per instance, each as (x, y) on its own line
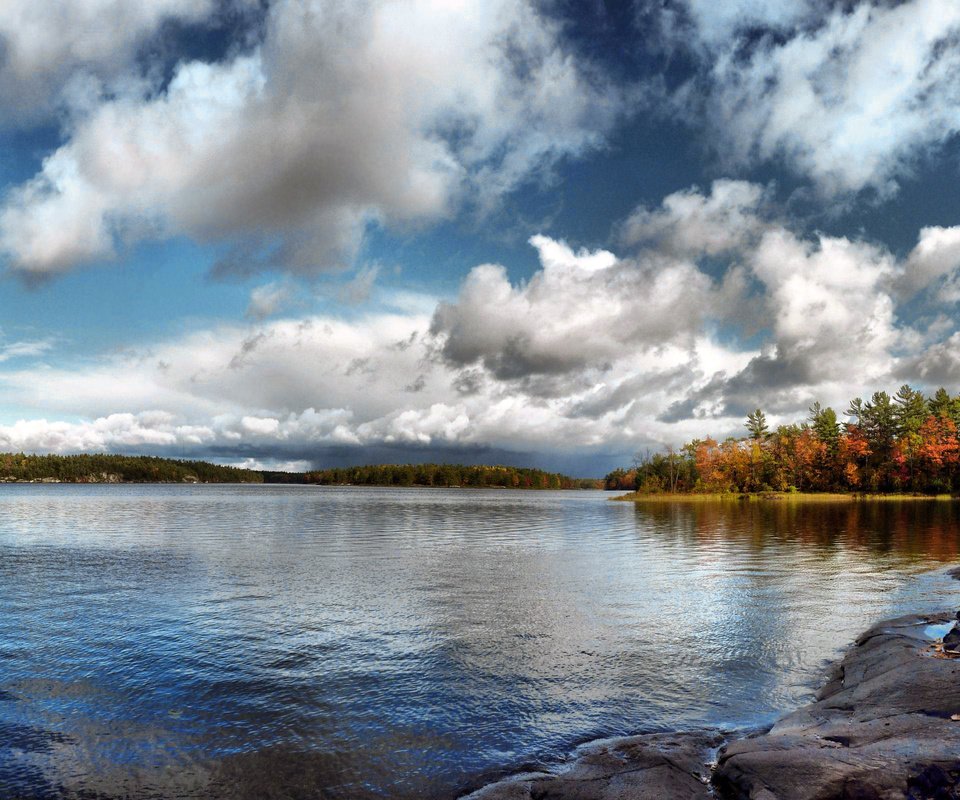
(215, 642)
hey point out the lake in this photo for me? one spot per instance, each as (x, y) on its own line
(302, 642)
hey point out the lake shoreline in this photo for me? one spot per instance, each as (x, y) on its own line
(885, 724)
(788, 497)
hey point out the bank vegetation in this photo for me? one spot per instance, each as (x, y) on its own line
(906, 444)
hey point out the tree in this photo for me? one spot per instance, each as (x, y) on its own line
(880, 426)
(911, 410)
(708, 460)
(757, 425)
(825, 426)
(939, 451)
(856, 410)
(943, 405)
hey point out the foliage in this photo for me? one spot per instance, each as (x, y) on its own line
(447, 475)
(904, 443)
(104, 468)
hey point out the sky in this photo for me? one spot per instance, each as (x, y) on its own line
(303, 233)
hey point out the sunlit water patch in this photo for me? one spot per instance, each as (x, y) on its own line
(257, 642)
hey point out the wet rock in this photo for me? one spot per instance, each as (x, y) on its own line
(651, 767)
(951, 642)
(883, 727)
(886, 725)
(934, 783)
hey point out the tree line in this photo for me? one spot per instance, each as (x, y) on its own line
(447, 475)
(105, 468)
(904, 443)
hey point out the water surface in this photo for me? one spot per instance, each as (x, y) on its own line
(300, 642)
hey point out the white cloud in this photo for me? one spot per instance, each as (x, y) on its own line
(25, 349)
(260, 426)
(115, 431)
(268, 464)
(691, 223)
(347, 114)
(594, 352)
(52, 52)
(935, 257)
(267, 300)
(714, 24)
(288, 387)
(852, 98)
(829, 298)
(578, 312)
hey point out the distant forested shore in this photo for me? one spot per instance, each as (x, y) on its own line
(105, 468)
(907, 443)
(448, 475)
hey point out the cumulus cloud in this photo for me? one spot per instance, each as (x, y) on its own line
(115, 431)
(288, 388)
(933, 262)
(579, 312)
(595, 352)
(821, 311)
(55, 53)
(851, 95)
(690, 223)
(346, 115)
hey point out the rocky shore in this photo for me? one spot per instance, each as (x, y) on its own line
(886, 725)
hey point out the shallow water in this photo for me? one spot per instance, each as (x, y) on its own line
(258, 642)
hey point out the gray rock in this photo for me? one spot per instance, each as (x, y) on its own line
(887, 725)
(651, 767)
(951, 642)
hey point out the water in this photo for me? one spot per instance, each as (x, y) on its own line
(295, 642)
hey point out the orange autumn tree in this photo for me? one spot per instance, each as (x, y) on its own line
(939, 450)
(900, 442)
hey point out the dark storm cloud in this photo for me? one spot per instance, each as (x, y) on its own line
(773, 381)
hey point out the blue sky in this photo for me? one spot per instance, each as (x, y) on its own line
(304, 232)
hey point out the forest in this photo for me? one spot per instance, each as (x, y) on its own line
(904, 443)
(448, 475)
(104, 468)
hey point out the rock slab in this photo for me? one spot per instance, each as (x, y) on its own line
(886, 725)
(651, 767)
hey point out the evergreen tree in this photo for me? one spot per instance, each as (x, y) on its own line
(757, 425)
(825, 426)
(943, 405)
(856, 410)
(911, 411)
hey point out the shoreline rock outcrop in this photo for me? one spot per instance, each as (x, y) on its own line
(648, 767)
(886, 725)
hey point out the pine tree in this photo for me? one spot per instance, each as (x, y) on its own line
(825, 426)
(757, 425)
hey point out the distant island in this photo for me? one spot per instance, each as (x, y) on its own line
(106, 468)
(905, 444)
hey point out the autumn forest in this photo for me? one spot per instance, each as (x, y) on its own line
(904, 443)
